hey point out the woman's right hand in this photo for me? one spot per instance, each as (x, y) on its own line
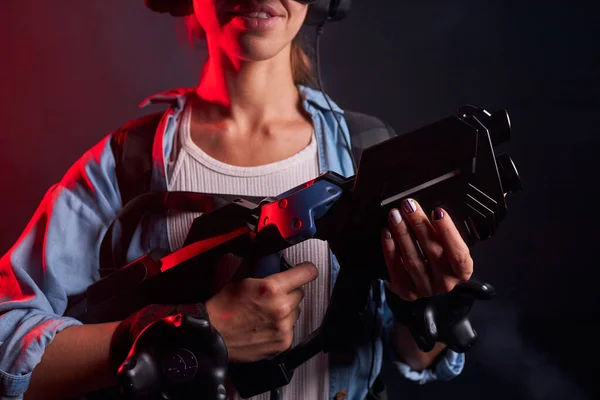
(256, 317)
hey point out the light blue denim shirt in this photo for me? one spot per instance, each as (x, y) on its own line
(57, 255)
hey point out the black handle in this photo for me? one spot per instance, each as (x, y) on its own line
(441, 318)
(176, 356)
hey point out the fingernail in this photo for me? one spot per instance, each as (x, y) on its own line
(438, 214)
(409, 206)
(387, 234)
(395, 217)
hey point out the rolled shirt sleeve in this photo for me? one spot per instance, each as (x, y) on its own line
(55, 257)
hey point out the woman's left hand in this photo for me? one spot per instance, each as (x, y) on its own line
(445, 262)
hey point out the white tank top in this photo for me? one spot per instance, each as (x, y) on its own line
(194, 170)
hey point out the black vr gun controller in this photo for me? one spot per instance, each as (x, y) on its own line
(173, 357)
(450, 164)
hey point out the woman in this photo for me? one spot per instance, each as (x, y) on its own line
(251, 127)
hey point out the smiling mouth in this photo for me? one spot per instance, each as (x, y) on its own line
(259, 15)
(260, 12)
(255, 18)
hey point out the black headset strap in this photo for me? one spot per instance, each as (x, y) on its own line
(321, 11)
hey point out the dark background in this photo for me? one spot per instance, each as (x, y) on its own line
(71, 71)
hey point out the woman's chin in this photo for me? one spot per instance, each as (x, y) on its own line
(257, 49)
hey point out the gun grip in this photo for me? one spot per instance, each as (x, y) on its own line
(268, 265)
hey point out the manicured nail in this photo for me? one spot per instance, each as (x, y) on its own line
(409, 206)
(438, 214)
(395, 217)
(387, 234)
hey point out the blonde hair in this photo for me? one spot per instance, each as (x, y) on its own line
(302, 66)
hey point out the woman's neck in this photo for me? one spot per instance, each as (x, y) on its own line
(249, 94)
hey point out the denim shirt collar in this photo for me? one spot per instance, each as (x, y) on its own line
(314, 104)
(177, 98)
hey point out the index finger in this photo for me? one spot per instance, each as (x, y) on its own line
(295, 277)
